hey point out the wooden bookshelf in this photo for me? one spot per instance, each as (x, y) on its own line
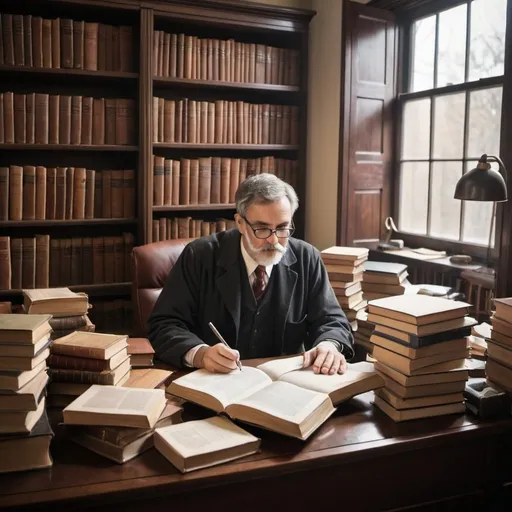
(283, 31)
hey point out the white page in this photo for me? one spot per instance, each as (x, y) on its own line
(277, 367)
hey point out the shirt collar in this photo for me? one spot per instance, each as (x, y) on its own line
(250, 264)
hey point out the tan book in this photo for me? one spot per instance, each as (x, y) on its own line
(147, 378)
(278, 395)
(26, 398)
(500, 338)
(418, 309)
(420, 412)
(23, 329)
(141, 352)
(18, 350)
(499, 373)
(13, 381)
(89, 344)
(335, 269)
(21, 422)
(424, 401)
(500, 353)
(116, 406)
(504, 309)
(116, 377)
(445, 388)
(204, 443)
(22, 364)
(58, 302)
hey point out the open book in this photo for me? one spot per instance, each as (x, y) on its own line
(278, 395)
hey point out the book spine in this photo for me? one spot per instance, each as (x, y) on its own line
(63, 362)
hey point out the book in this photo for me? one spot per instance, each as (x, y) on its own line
(21, 364)
(13, 422)
(278, 395)
(504, 309)
(90, 345)
(116, 406)
(418, 309)
(423, 390)
(147, 378)
(17, 350)
(55, 301)
(424, 401)
(203, 443)
(26, 398)
(384, 272)
(115, 377)
(354, 255)
(23, 329)
(13, 381)
(141, 352)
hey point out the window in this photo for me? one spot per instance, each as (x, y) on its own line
(450, 115)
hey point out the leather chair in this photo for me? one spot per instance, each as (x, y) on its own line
(151, 264)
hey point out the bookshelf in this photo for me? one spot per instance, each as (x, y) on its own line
(231, 78)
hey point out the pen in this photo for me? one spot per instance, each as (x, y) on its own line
(222, 340)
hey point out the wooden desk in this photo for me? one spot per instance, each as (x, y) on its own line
(359, 459)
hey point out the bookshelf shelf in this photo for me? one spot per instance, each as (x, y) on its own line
(194, 207)
(66, 72)
(224, 147)
(222, 85)
(69, 222)
(66, 147)
(93, 290)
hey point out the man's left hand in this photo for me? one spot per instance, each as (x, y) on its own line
(326, 359)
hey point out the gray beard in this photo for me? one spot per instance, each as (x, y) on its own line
(267, 255)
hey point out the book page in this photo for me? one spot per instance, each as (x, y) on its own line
(226, 387)
(284, 401)
(51, 293)
(204, 436)
(277, 367)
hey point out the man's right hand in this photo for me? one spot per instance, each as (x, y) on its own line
(217, 359)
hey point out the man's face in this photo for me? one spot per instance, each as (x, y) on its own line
(267, 251)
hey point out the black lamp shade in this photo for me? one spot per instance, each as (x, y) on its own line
(481, 185)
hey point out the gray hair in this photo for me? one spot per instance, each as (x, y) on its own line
(264, 188)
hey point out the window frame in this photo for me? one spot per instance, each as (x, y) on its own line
(405, 58)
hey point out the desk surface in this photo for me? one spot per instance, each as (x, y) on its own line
(356, 432)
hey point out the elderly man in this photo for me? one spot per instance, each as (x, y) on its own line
(268, 294)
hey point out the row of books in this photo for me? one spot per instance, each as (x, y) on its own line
(186, 227)
(39, 118)
(211, 180)
(39, 193)
(224, 122)
(186, 56)
(33, 41)
(112, 315)
(41, 262)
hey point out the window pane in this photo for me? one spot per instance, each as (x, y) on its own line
(452, 46)
(413, 197)
(416, 129)
(445, 210)
(449, 125)
(487, 45)
(477, 218)
(423, 40)
(484, 122)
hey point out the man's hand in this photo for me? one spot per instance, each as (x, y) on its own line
(217, 359)
(326, 359)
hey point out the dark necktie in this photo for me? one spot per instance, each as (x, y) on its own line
(258, 285)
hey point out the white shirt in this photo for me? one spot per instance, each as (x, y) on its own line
(250, 265)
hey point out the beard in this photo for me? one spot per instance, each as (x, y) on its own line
(268, 254)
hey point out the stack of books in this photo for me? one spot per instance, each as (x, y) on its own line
(382, 279)
(363, 333)
(498, 366)
(25, 432)
(420, 348)
(345, 267)
(68, 309)
(81, 359)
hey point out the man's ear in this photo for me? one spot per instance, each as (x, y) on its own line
(238, 222)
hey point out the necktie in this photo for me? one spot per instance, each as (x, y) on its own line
(258, 285)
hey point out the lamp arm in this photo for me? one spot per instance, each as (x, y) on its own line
(502, 167)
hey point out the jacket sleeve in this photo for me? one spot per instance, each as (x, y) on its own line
(326, 320)
(174, 318)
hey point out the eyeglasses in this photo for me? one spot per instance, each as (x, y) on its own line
(263, 233)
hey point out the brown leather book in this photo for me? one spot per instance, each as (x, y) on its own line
(272, 124)
(194, 181)
(202, 122)
(110, 120)
(41, 118)
(64, 119)
(169, 121)
(191, 122)
(167, 188)
(90, 176)
(125, 48)
(19, 118)
(9, 117)
(86, 131)
(40, 211)
(98, 195)
(178, 128)
(184, 182)
(37, 41)
(128, 244)
(239, 112)
(2, 131)
(155, 119)
(156, 231)
(53, 118)
(29, 192)
(188, 56)
(55, 44)
(5, 263)
(91, 46)
(4, 193)
(108, 258)
(210, 123)
(102, 47)
(42, 278)
(219, 121)
(176, 173)
(156, 43)
(118, 266)
(76, 119)
(221, 225)
(234, 178)
(47, 43)
(87, 262)
(243, 170)
(158, 180)
(54, 262)
(265, 120)
(79, 186)
(225, 175)
(18, 40)
(246, 122)
(209, 59)
(51, 193)
(129, 193)
(116, 59)
(205, 179)
(231, 120)
(28, 262)
(70, 192)
(106, 194)
(98, 264)
(203, 59)
(16, 263)
(294, 125)
(180, 56)
(205, 228)
(184, 227)
(216, 60)
(30, 127)
(222, 61)
(161, 54)
(60, 189)
(116, 194)
(109, 54)
(78, 44)
(123, 121)
(59, 361)
(27, 40)
(173, 52)
(66, 43)
(98, 121)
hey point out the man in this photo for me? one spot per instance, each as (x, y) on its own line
(267, 294)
